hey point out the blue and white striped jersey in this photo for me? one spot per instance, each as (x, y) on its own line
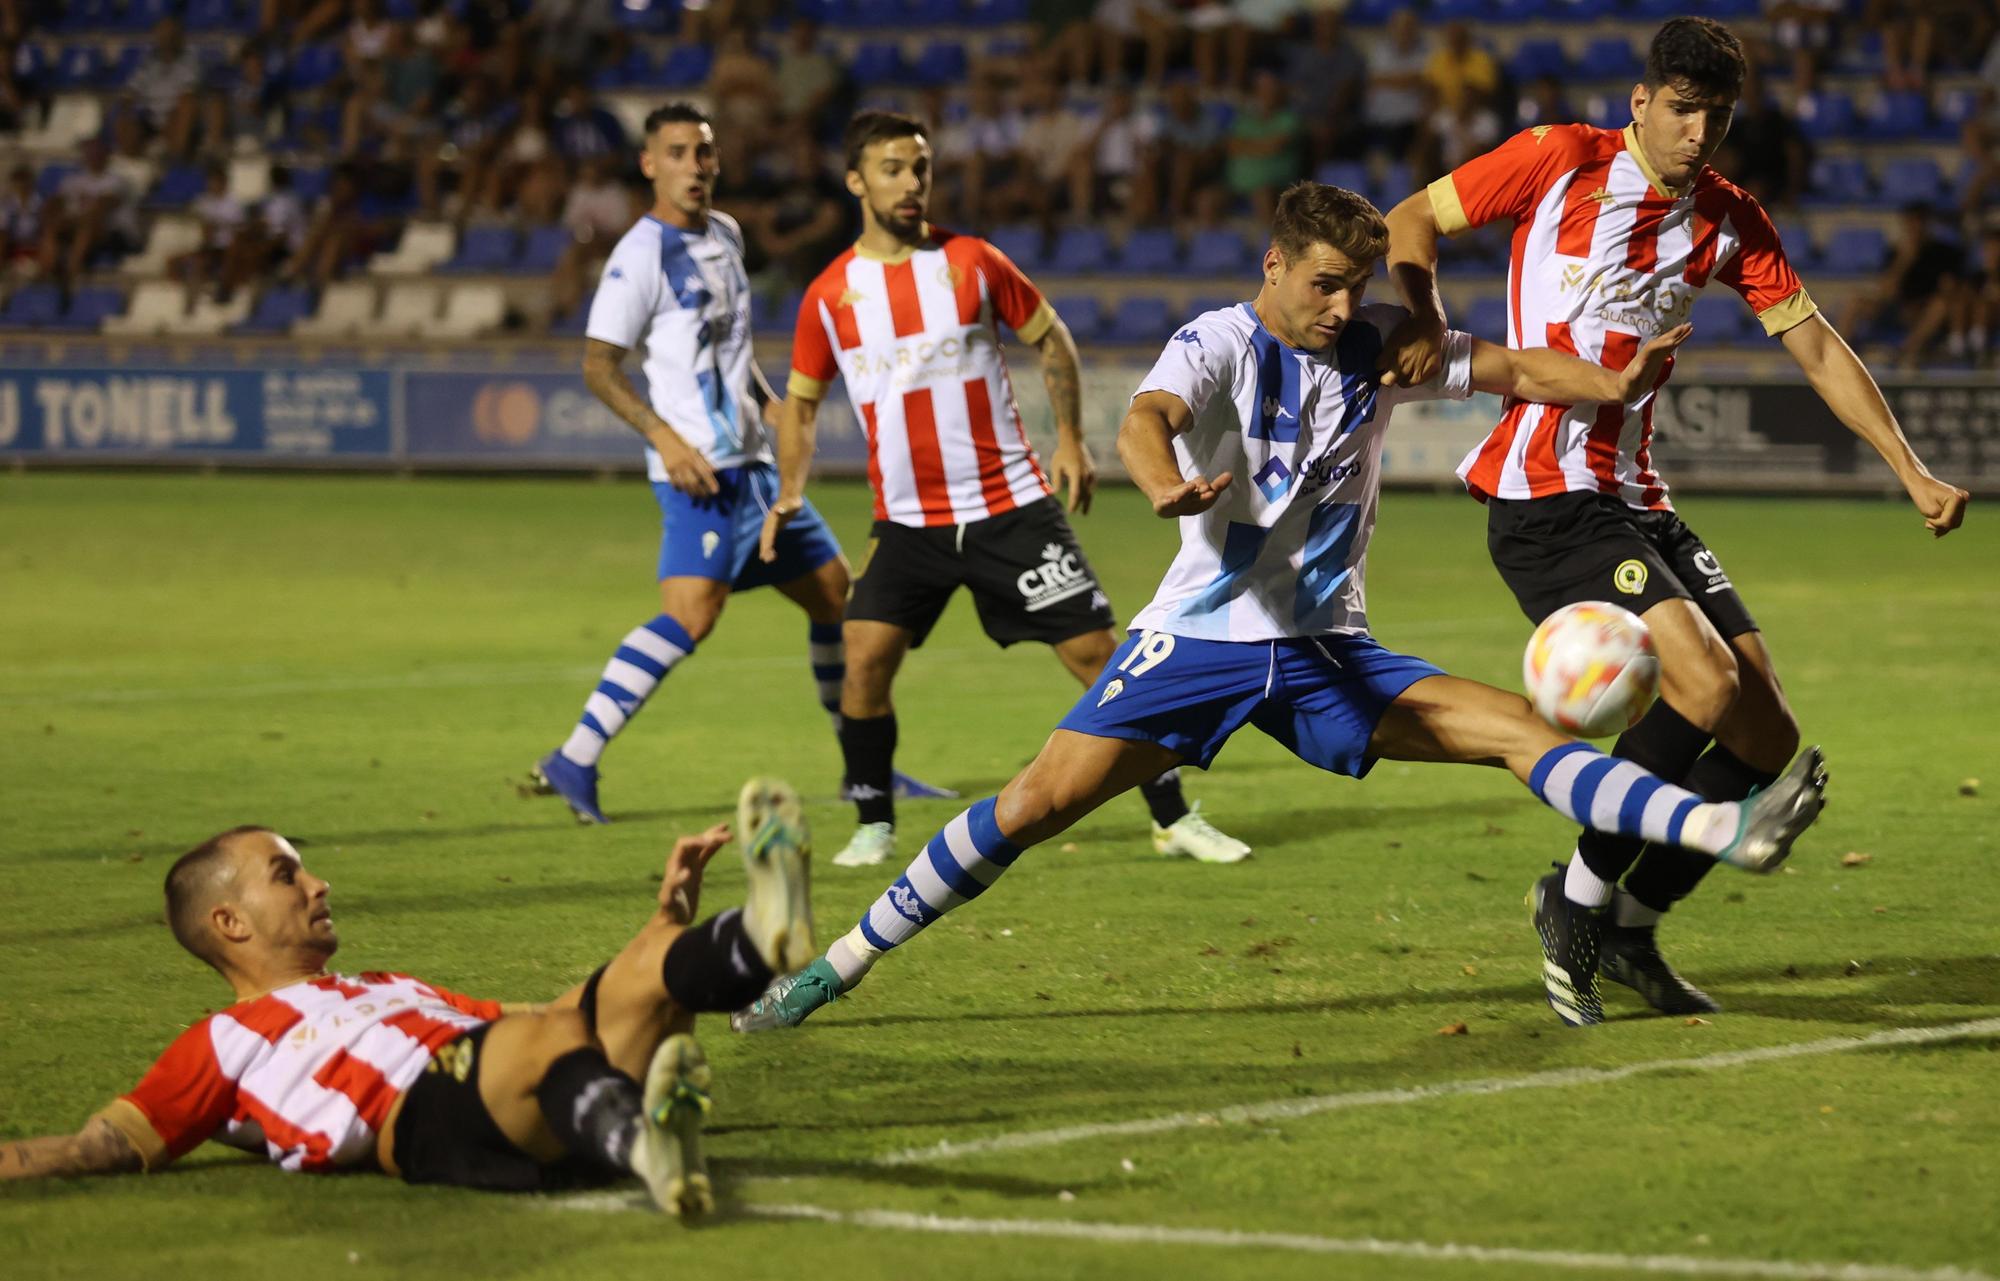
(1282, 551)
(686, 294)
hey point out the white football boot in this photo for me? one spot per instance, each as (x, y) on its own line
(777, 857)
(668, 1154)
(872, 843)
(1197, 838)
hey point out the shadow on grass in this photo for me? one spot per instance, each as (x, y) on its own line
(729, 1172)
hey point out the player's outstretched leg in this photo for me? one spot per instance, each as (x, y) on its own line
(1073, 775)
(635, 670)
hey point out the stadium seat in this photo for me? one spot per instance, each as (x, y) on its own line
(1912, 178)
(250, 178)
(1826, 115)
(471, 310)
(345, 309)
(1351, 174)
(996, 13)
(876, 13)
(77, 67)
(118, 70)
(1855, 251)
(686, 66)
(1202, 306)
(1838, 180)
(1533, 58)
(1584, 10)
(50, 177)
(648, 17)
(277, 310)
(942, 64)
(1487, 318)
(543, 247)
(171, 236)
(781, 319)
(487, 248)
(1954, 105)
(1081, 313)
(1718, 318)
(1150, 251)
(140, 15)
(935, 13)
(1897, 115)
(1519, 10)
(410, 309)
(313, 66)
(421, 248)
(1021, 243)
(72, 118)
(1372, 13)
(85, 15)
(1800, 248)
(31, 306)
(1216, 251)
(215, 15)
(1141, 321)
(90, 308)
(176, 187)
(1460, 11)
(1609, 56)
(877, 63)
(572, 325)
(1081, 250)
(311, 184)
(210, 317)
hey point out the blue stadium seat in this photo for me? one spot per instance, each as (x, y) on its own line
(32, 305)
(310, 184)
(1202, 306)
(781, 319)
(1532, 58)
(485, 249)
(1079, 250)
(572, 325)
(876, 13)
(1142, 321)
(1486, 318)
(1718, 318)
(176, 187)
(138, 15)
(942, 63)
(1838, 180)
(1827, 115)
(1369, 13)
(1395, 184)
(996, 13)
(219, 15)
(542, 248)
(1611, 56)
(1461, 10)
(1910, 178)
(648, 17)
(313, 65)
(118, 70)
(877, 62)
(1585, 10)
(49, 177)
(686, 66)
(1081, 313)
(1153, 251)
(1351, 174)
(85, 15)
(277, 309)
(1215, 251)
(1520, 10)
(77, 66)
(1859, 52)
(935, 13)
(1855, 251)
(1900, 114)
(1022, 243)
(1797, 239)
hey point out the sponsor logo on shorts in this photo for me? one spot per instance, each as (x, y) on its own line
(1111, 691)
(1630, 577)
(454, 1059)
(710, 540)
(1707, 565)
(1060, 576)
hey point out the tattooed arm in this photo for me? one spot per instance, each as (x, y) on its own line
(1071, 465)
(98, 1148)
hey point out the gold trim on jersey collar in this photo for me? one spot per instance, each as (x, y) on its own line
(1645, 166)
(901, 255)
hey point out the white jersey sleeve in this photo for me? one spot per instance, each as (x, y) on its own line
(1198, 362)
(1453, 379)
(628, 293)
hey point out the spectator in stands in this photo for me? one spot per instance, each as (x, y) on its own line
(237, 105)
(1981, 306)
(526, 175)
(742, 85)
(1228, 35)
(23, 93)
(1111, 172)
(598, 211)
(1543, 102)
(131, 156)
(1051, 132)
(164, 85)
(393, 105)
(1765, 153)
(20, 222)
(1455, 135)
(1981, 138)
(263, 243)
(812, 87)
(582, 128)
(1328, 75)
(221, 216)
(1461, 70)
(475, 126)
(1920, 287)
(979, 153)
(1152, 27)
(1906, 28)
(1395, 101)
(1808, 30)
(96, 212)
(807, 219)
(336, 234)
(366, 39)
(569, 36)
(1193, 148)
(1264, 146)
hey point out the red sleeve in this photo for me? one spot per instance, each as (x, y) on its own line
(1760, 272)
(813, 364)
(1015, 299)
(184, 1096)
(1510, 180)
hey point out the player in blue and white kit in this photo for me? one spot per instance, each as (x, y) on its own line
(676, 281)
(1261, 620)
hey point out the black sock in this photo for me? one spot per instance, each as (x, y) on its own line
(1666, 874)
(1664, 742)
(1164, 798)
(868, 746)
(592, 1108)
(714, 967)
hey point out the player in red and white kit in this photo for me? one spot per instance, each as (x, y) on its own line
(1615, 233)
(325, 1071)
(907, 316)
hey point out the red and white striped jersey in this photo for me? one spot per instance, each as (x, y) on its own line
(1604, 257)
(914, 336)
(306, 1074)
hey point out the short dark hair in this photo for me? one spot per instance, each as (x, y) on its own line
(870, 127)
(1311, 213)
(675, 113)
(189, 891)
(1696, 54)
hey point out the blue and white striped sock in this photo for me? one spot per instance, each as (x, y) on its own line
(643, 660)
(829, 661)
(957, 865)
(1608, 794)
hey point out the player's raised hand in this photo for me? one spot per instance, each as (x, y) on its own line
(1942, 505)
(680, 888)
(1071, 467)
(1642, 372)
(1192, 496)
(1414, 351)
(776, 519)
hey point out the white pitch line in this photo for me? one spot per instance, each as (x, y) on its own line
(1287, 1109)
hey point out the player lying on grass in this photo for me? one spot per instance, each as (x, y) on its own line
(326, 1071)
(1261, 619)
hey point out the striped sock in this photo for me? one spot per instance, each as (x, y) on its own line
(958, 864)
(1607, 794)
(643, 660)
(829, 661)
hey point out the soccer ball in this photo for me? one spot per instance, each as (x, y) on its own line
(1590, 669)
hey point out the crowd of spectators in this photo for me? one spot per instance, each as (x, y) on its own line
(1119, 113)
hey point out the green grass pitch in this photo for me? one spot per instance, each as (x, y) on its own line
(369, 664)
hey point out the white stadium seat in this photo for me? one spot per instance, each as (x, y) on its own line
(424, 245)
(345, 309)
(410, 310)
(250, 178)
(157, 307)
(210, 317)
(72, 118)
(471, 310)
(171, 236)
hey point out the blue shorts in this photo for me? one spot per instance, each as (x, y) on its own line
(716, 537)
(1321, 696)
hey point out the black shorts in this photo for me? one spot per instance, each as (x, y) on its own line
(444, 1133)
(1571, 547)
(1029, 579)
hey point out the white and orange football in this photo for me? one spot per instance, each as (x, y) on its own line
(1590, 669)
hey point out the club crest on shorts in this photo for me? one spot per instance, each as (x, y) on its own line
(1111, 691)
(710, 540)
(1630, 577)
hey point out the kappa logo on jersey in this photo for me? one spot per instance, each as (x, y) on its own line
(1060, 576)
(616, 273)
(1274, 411)
(1189, 335)
(1540, 132)
(1111, 691)
(905, 901)
(710, 540)
(849, 297)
